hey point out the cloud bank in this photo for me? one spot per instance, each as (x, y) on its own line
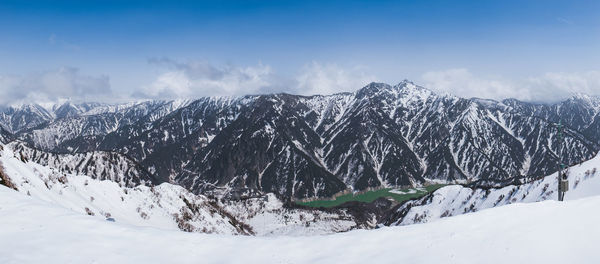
(196, 79)
(53, 86)
(548, 87)
(316, 78)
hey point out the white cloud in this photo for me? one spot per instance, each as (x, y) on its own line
(317, 78)
(196, 79)
(180, 80)
(462, 82)
(545, 88)
(558, 85)
(52, 86)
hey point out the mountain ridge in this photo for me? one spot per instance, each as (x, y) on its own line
(314, 146)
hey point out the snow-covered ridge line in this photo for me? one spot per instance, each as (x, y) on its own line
(100, 165)
(454, 200)
(164, 206)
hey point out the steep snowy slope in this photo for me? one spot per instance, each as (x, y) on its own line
(269, 147)
(98, 165)
(548, 232)
(76, 127)
(17, 118)
(455, 199)
(5, 136)
(165, 145)
(164, 206)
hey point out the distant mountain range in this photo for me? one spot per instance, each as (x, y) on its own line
(310, 146)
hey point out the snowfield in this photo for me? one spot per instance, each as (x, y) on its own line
(35, 231)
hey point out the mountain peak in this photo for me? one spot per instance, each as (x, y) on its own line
(408, 88)
(405, 88)
(28, 108)
(66, 110)
(585, 98)
(406, 82)
(372, 89)
(408, 85)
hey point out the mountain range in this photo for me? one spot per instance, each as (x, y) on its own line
(309, 146)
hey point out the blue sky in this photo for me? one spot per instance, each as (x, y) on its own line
(196, 48)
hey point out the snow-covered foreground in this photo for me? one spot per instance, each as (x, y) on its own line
(35, 231)
(164, 206)
(584, 181)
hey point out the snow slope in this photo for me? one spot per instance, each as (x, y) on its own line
(584, 181)
(164, 206)
(34, 231)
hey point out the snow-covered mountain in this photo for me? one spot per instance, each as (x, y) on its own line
(454, 200)
(35, 231)
(73, 182)
(112, 186)
(98, 165)
(315, 146)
